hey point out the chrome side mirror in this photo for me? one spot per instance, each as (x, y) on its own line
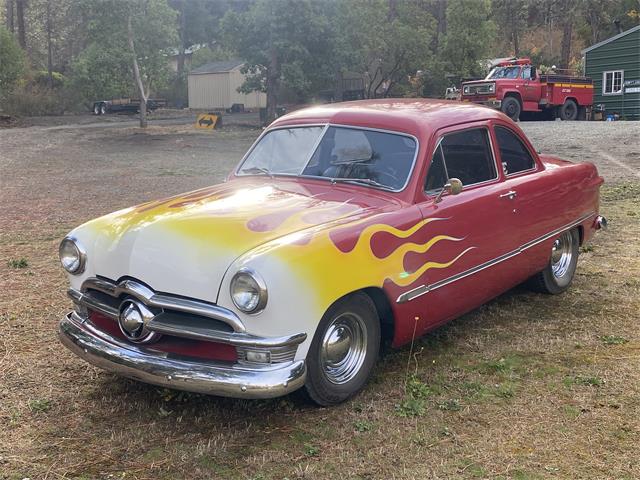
(453, 186)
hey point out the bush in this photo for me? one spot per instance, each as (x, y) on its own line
(11, 62)
(34, 101)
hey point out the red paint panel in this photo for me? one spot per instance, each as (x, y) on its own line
(185, 347)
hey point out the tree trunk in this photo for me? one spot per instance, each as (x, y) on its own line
(182, 32)
(49, 52)
(273, 75)
(22, 34)
(136, 73)
(9, 16)
(273, 85)
(567, 30)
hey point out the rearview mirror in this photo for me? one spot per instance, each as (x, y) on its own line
(453, 186)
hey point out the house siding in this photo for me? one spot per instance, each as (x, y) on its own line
(220, 91)
(620, 54)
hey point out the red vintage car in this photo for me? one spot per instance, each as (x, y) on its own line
(343, 227)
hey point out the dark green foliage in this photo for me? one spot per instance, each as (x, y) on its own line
(11, 62)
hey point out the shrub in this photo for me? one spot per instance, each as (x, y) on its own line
(11, 62)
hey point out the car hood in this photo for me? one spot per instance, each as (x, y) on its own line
(184, 244)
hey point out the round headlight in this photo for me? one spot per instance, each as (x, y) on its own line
(248, 291)
(72, 256)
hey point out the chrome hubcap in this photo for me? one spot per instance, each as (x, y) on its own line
(561, 254)
(344, 348)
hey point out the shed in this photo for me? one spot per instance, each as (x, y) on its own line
(614, 65)
(215, 86)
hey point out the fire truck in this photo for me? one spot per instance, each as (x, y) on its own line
(515, 86)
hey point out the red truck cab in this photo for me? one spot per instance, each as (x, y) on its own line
(516, 86)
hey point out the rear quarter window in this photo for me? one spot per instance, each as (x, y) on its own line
(514, 155)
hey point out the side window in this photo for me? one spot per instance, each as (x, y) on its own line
(515, 156)
(465, 155)
(529, 73)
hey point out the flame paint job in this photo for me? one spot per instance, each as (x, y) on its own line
(314, 242)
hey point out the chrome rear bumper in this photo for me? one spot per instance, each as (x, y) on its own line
(240, 381)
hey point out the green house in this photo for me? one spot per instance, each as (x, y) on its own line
(614, 66)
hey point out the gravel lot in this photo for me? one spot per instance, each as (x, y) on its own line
(526, 387)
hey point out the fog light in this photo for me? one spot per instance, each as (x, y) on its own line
(258, 357)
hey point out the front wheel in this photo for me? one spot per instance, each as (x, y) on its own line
(103, 109)
(511, 107)
(343, 351)
(559, 272)
(96, 109)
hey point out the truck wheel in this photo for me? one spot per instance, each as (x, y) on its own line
(103, 109)
(511, 107)
(96, 109)
(558, 274)
(343, 351)
(569, 110)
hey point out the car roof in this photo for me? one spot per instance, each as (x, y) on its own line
(416, 116)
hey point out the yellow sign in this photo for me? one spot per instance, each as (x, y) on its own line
(207, 121)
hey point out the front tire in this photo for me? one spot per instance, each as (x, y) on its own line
(511, 107)
(103, 109)
(559, 272)
(344, 350)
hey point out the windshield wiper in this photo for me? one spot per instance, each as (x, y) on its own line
(257, 171)
(365, 181)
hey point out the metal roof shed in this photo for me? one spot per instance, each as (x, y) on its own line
(215, 86)
(614, 65)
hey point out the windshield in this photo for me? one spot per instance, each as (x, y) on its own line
(503, 72)
(343, 154)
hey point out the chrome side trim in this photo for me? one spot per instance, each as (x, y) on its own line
(152, 299)
(424, 289)
(213, 378)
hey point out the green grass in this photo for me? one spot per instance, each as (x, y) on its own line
(613, 340)
(18, 263)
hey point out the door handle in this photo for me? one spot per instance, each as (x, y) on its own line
(511, 194)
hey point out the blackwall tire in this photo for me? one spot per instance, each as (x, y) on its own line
(103, 109)
(569, 110)
(344, 350)
(511, 108)
(96, 109)
(559, 272)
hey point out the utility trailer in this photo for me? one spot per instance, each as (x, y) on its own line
(516, 86)
(127, 105)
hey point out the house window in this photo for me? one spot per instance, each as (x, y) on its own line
(612, 82)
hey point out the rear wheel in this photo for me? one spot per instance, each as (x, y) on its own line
(559, 272)
(96, 109)
(103, 109)
(511, 107)
(343, 351)
(569, 110)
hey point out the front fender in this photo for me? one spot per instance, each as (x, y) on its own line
(306, 272)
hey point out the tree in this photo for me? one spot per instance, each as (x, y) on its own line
(511, 17)
(279, 40)
(128, 49)
(12, 61)
(470, 35)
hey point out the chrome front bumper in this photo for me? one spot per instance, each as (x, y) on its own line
(240, 381)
